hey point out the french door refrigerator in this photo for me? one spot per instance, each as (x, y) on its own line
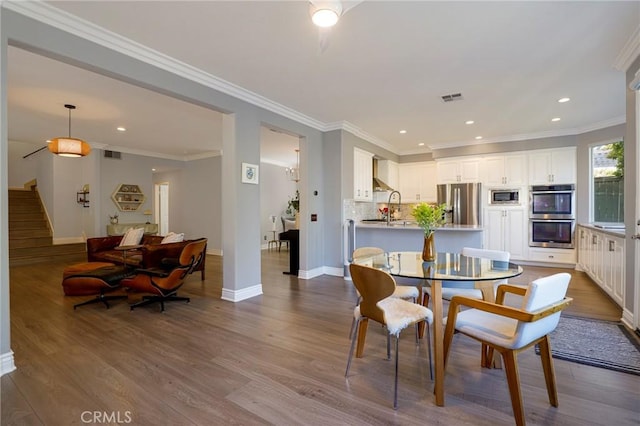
(463, 202)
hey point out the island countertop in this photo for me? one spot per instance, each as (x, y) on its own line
(398, 237)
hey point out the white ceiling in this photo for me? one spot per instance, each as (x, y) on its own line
(386, 66)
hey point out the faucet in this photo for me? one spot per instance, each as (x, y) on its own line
(389, 204)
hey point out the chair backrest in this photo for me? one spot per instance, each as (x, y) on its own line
(373, 286)
(193, 254)
(367, 251)
(542, 292)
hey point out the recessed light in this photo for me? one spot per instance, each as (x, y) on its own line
(48, 140)
(478, 137)
(402, 132)
(421, 144)
(121, 129)
(555, 119)
(563, 100)
(469, 122)
(153, 170)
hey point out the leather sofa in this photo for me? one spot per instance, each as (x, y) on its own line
(151, 254)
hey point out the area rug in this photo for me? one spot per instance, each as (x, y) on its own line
(603, 344)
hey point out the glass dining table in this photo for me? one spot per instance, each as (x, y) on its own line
(446, 267)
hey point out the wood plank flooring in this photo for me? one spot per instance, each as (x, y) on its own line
(275, 359)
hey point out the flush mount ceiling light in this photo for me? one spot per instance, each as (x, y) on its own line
(563, 100)
(293, 173)
(469, 122)
(402, 132)
(555, 119)
(69, 147)
(325, 14)
(478, 138)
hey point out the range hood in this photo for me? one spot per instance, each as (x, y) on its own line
(378, 184)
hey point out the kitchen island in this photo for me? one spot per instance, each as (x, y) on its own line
(402, 236)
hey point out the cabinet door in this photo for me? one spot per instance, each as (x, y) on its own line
(362, 175)
(583, 248)
(515, 232)
(539, 168)
(597, 247)
(428, 189)
(615, 258)
(494, 167)
(515, 170)
(563, 165)
(409, 182)
(448, 171)
(388, 172)
(494, 233)
(469, 170)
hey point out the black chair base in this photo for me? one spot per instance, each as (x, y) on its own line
(147, 300)
(100, 298)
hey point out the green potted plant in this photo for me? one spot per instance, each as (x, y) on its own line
(429, 217)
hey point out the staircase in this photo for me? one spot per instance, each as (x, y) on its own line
(30, 238)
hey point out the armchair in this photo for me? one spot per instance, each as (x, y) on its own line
(510, 330)
(163, 282)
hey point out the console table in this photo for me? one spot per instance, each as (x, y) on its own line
(121, 228)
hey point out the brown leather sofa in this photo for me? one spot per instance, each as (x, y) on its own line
(150, 255)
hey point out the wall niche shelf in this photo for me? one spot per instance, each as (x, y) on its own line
(128, 197)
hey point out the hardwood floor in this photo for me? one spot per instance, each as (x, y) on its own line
(274, 359)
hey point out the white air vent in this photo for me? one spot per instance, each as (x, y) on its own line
(452, 97)
(113, 154)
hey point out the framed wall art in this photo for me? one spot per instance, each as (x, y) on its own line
(250, 173)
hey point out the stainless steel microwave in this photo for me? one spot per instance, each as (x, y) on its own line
(504, 196)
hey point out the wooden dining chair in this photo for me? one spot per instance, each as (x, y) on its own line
(376, 288)
(510, 330)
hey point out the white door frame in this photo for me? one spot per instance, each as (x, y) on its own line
(161, 207)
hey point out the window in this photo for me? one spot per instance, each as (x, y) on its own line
(607, 172)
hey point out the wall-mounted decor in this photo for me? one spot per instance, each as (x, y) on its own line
(127, 197)
(250, 173)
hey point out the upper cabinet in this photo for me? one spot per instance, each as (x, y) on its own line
(362, 175)
(127, 197)
(459, 170)
(417, 182)
(552, 166)
(506, 170)
(388, 172)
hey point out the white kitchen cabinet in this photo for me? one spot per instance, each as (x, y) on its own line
(506, 230)
(613, 274)
(602, 257)
(417, 182)
(459, 170)
(553, 166)
(505, 170)
(362, 175)
(552, 255)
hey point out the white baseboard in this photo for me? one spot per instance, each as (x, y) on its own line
(243, 294)
(214, 252)
(312, 273)
(6, 363)
(627, 318)
(333, 271)
(68, 240)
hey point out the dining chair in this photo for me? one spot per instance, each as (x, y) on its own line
(510, 330)
(376, 288)
(406, 292)
(467, 288)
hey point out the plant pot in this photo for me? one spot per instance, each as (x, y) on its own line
(429, 248)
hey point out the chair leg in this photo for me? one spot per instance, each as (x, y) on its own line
(395, 386)
(513, 380)
(353, 345)
(388, 346)
(100, 298)
(429, 348)
(547, 367)
(361, 336)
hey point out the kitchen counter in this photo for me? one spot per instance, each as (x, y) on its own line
(605, 228)
(399, 237)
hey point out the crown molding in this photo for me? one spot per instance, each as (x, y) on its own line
(355, 130)
(539, 135)
(630, 51)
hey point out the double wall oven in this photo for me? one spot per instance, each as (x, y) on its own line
(552, 216)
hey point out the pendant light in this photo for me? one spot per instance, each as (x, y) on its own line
(293, 173)
(69, 147)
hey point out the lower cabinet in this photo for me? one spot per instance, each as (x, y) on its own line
(506, 230)
(601, 256)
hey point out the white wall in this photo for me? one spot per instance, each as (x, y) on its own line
(22, 170)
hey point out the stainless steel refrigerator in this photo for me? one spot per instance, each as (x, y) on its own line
(463, 202)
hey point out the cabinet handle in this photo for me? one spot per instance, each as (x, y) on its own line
(594, 239)
(582, 234)
(612, 245)
(417, 196)
(550, 256)
(366, 193)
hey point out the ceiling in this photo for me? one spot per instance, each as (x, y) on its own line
(385, 69)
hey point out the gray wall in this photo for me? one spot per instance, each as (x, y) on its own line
(21, 170)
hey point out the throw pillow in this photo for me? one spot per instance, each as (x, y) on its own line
(132, 237)
(172, 237)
